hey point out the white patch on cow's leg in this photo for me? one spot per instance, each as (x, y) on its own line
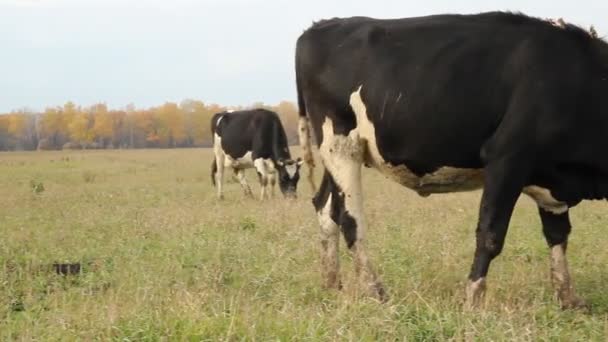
(270, 176)
(219, 160)
(560, 276)
(329, 246)
(475, 292)
(343, 157)
(545, 199)
(243, 181)
(261, 167)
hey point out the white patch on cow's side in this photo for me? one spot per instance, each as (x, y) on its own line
(445, 179)
(474, 292)
(291, 169)
(545, 200)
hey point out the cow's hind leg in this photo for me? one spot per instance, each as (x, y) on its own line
(219, 174)
(503, 184)
(343, 157)
(556, 228)
(240, 173)
(328, 213)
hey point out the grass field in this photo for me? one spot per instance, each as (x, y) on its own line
(163, 260)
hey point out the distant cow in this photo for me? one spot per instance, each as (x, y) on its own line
(253, 139)
(450, 103)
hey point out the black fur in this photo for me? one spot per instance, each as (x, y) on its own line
(517, 97)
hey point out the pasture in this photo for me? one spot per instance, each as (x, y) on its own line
(161, 259)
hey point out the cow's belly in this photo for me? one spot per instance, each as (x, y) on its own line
(444, 179)
(243, 162)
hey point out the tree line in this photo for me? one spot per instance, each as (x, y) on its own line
(170, 125)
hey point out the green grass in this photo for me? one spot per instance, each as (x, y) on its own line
(163, 260)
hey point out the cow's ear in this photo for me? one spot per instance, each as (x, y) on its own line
(299, 161)
(280, 162)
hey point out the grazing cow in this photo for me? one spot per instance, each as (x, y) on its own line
(253, 139)
(448, 103)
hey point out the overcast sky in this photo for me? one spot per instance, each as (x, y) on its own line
(230, 52)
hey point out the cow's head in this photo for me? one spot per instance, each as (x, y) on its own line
(289, 175)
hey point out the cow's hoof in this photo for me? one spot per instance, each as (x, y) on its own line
(574, 302)
(475, 292)
(333, 285)
(376, 291)
(381, 293)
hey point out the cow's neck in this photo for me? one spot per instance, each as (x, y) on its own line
(279, 144)
(280, 152)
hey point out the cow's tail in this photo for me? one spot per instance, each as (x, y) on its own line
(304, 130)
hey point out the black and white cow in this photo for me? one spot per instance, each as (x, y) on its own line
(253, 139)
(446, 103)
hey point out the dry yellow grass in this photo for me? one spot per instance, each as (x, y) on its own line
(163, 259)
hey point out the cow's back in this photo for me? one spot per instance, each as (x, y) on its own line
(445, 82)
(258, 131)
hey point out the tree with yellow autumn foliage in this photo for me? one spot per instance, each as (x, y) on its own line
(170, 125)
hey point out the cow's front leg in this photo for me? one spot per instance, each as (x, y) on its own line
(240, 173)
(260, 167)
(343, 157)
(272, 181)
(556, 228)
